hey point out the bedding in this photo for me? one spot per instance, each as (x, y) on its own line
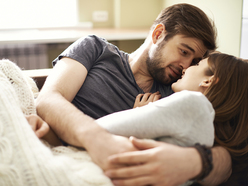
(25, 160)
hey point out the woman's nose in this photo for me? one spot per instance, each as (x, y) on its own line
(183, 72)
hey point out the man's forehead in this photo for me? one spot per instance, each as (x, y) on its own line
(194, 44)
(187, 46)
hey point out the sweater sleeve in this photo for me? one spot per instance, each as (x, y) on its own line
(183, 118)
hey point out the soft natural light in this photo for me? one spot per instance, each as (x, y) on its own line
(38, 13)
(244, 34)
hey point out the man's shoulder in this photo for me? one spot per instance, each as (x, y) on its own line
(94, 39)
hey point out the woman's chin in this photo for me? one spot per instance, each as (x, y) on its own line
(174, 86)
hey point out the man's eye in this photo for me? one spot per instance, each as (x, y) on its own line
(184, 52)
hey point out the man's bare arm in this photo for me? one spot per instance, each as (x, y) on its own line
(53, 103)
(222, 167)
(70, 124)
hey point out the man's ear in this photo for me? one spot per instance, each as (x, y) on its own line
(158, 33)
(207, 82)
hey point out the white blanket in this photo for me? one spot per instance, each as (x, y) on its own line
(24, 159)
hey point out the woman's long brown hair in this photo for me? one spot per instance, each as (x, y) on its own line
(229, 97)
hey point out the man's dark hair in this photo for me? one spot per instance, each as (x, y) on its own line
(190, 21)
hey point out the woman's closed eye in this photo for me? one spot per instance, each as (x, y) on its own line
(195, 62)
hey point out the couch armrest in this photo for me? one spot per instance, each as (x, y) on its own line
(38, 75)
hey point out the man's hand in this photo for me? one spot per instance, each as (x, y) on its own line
(157, 164)
(42, 130)
(39, 126)
(105, 145)
(144, 99)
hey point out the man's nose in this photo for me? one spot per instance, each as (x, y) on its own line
(186, 63)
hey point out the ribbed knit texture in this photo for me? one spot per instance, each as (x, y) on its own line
(24, 159)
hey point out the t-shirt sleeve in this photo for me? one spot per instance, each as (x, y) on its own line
(186, 117)
(85, 50)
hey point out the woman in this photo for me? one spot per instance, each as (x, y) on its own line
(162, 120)
(227, 92)
(210, 78)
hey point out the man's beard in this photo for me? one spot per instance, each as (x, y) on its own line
(154, 68)
(157, 72)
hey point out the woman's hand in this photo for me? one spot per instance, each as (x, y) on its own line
(39, 126)
(157, 164)
(144, 99)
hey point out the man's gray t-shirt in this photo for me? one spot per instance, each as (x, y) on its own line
(110, 85)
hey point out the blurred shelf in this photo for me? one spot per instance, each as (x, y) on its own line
(38, 75)
(64, 35)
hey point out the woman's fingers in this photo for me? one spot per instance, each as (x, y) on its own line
(138, 100)
(144, 99)
(157, 97)
(139, 97)
(153, 97)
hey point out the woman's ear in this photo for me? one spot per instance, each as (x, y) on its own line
(207, 82)
(158, 33)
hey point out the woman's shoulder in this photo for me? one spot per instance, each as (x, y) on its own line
(190, 96)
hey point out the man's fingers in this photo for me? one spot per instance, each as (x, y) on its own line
(134, 175)
(129, 158)
(129, 172)
(137, 181)
(42, 130)
(32, 120)
(143, 144)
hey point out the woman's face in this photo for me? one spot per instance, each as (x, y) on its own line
(193, 78)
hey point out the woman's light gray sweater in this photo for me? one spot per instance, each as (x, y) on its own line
(184, 118)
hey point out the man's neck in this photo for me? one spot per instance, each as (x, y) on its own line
(145, 85)
(137, 61)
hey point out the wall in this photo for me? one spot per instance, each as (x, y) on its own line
(244, 35)
(227, 15)
(121, 13)
(136, 13)
(86, 8)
